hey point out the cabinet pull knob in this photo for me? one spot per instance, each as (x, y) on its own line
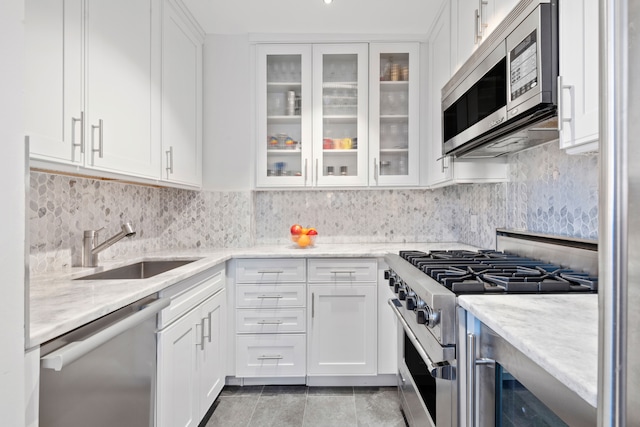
(270, 322)
(267, 357)
(100, 128)
(73, 132)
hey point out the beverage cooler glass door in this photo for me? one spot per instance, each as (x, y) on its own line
(340, 114)
(284, 115)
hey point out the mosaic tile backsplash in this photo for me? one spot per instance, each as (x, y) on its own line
(548, 192)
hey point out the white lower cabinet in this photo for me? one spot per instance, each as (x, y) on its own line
(270, 355)
(191, 357)
(342, 319)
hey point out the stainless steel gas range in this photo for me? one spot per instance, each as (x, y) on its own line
(427, 285)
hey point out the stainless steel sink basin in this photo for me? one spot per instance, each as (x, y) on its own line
(139, 270)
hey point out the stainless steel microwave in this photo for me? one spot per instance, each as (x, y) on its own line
(504, 98)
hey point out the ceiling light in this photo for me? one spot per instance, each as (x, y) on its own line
(328, 1)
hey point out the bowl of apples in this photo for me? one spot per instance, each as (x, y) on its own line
(303, 237)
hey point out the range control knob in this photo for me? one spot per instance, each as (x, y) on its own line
(402, 293)
(426, 316)
(411, 301)
(422, 315)
(397, 285)
(387, 274)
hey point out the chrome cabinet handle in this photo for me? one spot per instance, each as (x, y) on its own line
(270, 271)
(316, 171)
(73, 132)
(100, 128)
(442, 166)
(375, 170)
(270, 296)
(169, 167)
(472, 362)
(200, 325)
(208, 334)
(342, 272)
(480, 25)
(268, 357)
(313, 304)
(270, 322)
(305, 171)
(561, 119)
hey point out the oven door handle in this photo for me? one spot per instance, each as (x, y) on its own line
(440, 370)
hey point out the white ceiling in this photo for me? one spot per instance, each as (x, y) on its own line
(313, 16)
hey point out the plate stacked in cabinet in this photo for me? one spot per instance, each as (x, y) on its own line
(270, 318)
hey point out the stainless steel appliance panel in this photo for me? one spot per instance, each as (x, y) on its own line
(91, 378)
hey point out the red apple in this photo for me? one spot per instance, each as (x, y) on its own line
(312, 232)
(296, 229)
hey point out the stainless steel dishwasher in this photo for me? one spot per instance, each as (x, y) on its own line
(103, 373)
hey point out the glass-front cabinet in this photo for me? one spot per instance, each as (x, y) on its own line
(312, 115)
(284, 116)
(340, 114)
(394, 111)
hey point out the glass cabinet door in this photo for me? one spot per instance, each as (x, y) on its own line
(394, 124)
(284, 115)
(340, 114)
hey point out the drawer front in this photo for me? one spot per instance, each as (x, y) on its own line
(344, 270)
(185, 301)
(270, 321)
(270, 355)
(270, 296)
(270, 270)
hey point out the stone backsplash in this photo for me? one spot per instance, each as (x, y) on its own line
(548, 192)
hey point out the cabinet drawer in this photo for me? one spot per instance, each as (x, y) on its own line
(189, 293)
(270, 321)
(270, 270)
(270, 355)
(270, 296)
(342, 270)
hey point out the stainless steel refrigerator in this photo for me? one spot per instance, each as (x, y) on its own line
(619, 246)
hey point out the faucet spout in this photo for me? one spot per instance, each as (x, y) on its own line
(90, 250)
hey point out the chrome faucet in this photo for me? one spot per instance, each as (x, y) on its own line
(89, 249)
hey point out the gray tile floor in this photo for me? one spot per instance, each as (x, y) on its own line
(289, 406)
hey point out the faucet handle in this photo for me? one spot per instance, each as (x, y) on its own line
(92, 233)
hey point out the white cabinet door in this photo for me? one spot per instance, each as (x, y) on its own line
(178, 344)
(579, 58)
(181, 98)
(122, 50)
(438, 167)
(394, 90)
(340, 114)
(284, 111)
(53, 79)
(211, 360)
(342, 338)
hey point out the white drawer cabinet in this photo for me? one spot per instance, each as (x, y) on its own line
(261, 321)
(270, 355)
(270, 318)
(270, 270)
(335, 270)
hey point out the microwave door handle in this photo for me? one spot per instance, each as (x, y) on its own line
(71, 352)
(442, 370)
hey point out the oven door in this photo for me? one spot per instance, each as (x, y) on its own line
(427, 389)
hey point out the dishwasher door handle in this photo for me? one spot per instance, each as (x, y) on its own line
(60, 358)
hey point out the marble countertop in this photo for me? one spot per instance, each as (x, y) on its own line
(564, 340)
(59, 304)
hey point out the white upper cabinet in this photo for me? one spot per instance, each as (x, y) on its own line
(473, 21)
(181, 97)
(445, 170)
(121, 77)
(394, 92)
(53, 80)
(283, 98)
(341, 114)
(578, 83)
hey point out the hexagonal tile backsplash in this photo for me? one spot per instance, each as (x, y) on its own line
(548, 192)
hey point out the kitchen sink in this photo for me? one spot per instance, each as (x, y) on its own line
(139, 270)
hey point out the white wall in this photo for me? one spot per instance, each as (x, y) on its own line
(12, 219)
(228, 148)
